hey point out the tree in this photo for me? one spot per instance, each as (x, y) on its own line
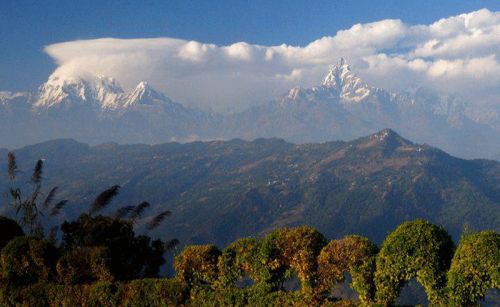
(28, 260)
(293, 250)
(197, 265)
(351, 254)
(9, 229)
(130, 256)
(475, 268)
(418, 250)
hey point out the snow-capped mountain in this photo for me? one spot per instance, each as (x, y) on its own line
(97, 109)
(100, 93)
(343, 106)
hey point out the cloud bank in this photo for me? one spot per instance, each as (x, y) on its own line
(458, 54)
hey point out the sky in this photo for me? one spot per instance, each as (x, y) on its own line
(227, 55)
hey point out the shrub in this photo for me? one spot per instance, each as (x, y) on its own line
(197, 265)
(475, 268)
(290, 250)
(353, 254)
(84, 265)
(418, 250)
(152, 292)
(9, 229)
(28, 260)
(241, 258)
(130, 256)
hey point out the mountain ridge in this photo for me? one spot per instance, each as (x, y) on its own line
(221, 190)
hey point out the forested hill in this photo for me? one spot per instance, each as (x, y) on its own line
(222, 190)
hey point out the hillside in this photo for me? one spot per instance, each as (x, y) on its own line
(219, 191)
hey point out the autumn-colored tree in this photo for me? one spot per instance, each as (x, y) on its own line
(352, 254)
(196, 265)
(293, 251)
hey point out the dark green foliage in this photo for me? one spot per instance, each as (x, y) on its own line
(144, 292)
(84, 265)
(28, 260)
(418, 250)
(475, 268)
(352, 254)
(9, 229)
(130, 256)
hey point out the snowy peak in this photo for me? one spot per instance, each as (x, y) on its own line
(102, 92)
(350, 87)
(337, 74)
(143, 94)
(99, 92)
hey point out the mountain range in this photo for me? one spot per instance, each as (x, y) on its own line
(222, 190)
(96, 109)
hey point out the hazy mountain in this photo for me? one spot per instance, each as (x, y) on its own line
(222, 190)
(344, 106)
(97, 109)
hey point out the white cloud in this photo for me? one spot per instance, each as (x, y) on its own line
(456, 54)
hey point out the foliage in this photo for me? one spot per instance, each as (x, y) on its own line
(475, 268)
(144, 292)
(130, 256)
(240, 259)
(9, 229)
(197, 265)
(84, 265)
(35, 273)
(294, 250)
(418, 250)
(28, 260)
(352, 254)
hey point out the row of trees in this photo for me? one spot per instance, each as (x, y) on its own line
(100, 260)
(418, 249)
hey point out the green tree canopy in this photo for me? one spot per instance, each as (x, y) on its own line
(475, 268)
(418, 250)
(351, 254)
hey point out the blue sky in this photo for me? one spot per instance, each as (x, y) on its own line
(27, 26)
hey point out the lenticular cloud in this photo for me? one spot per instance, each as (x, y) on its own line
(458, 54)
